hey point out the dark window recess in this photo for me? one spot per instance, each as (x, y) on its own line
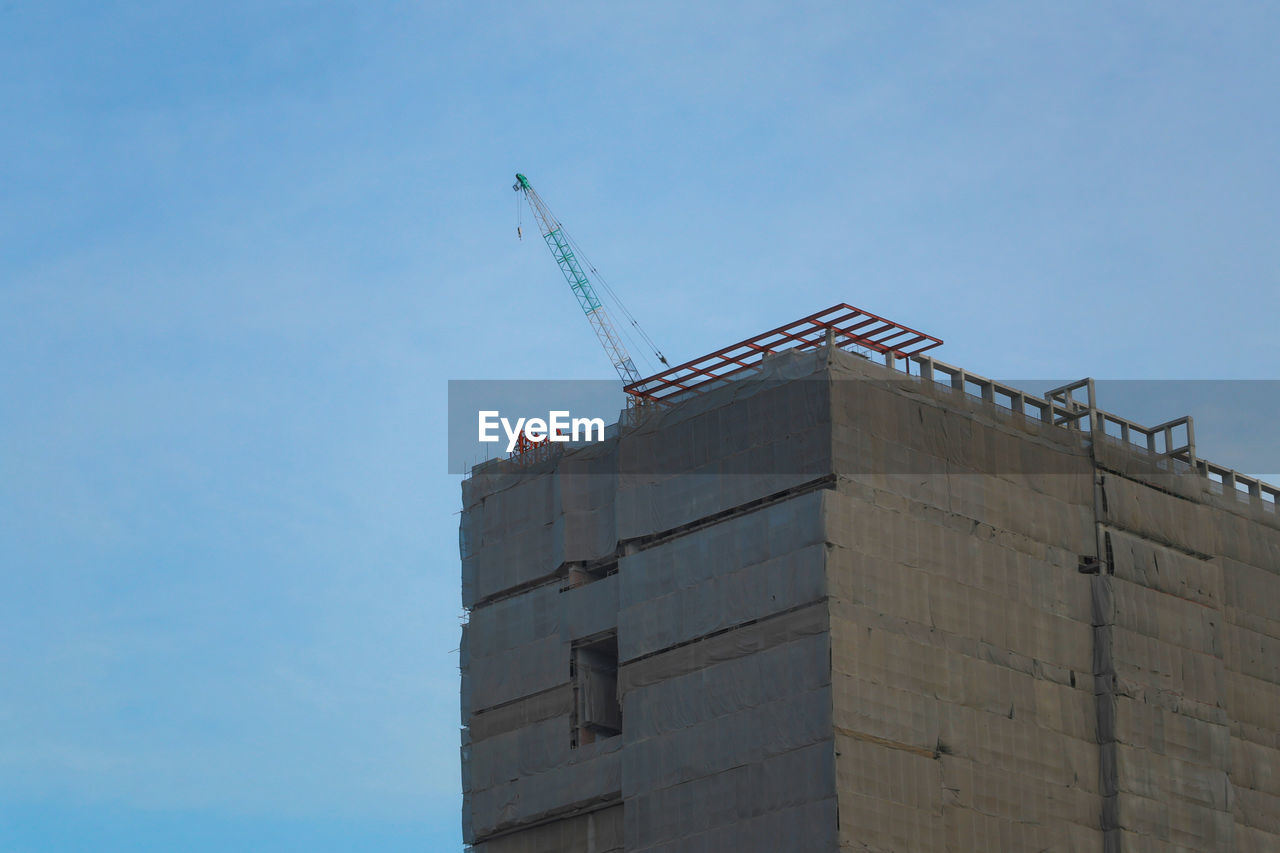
(597, 711)
(581, 573)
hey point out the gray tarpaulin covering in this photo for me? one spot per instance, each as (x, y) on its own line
(852, 611)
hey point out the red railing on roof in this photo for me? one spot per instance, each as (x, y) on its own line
(851, 328)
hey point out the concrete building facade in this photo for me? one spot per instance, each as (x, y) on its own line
(839, 607)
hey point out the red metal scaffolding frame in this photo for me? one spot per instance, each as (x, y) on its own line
(850, 328)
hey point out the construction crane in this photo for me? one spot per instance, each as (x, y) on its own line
(563, 250)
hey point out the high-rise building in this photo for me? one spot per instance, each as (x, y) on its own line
(828, 603)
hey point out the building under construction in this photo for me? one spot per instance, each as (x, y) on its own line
(821, 592)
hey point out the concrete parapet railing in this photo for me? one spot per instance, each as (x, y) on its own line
(1173, 439)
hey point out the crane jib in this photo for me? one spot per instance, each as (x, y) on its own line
(573, 271)
(560, 245)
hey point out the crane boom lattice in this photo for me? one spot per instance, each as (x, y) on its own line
(562, 250)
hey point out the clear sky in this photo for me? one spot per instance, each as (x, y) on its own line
(244, 245)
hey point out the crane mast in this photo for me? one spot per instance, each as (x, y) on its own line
(559, 244)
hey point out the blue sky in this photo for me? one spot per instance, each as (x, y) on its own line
(243, 247)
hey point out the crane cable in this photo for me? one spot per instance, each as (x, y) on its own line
(617, 300)
(630, 327)
(646, 341)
